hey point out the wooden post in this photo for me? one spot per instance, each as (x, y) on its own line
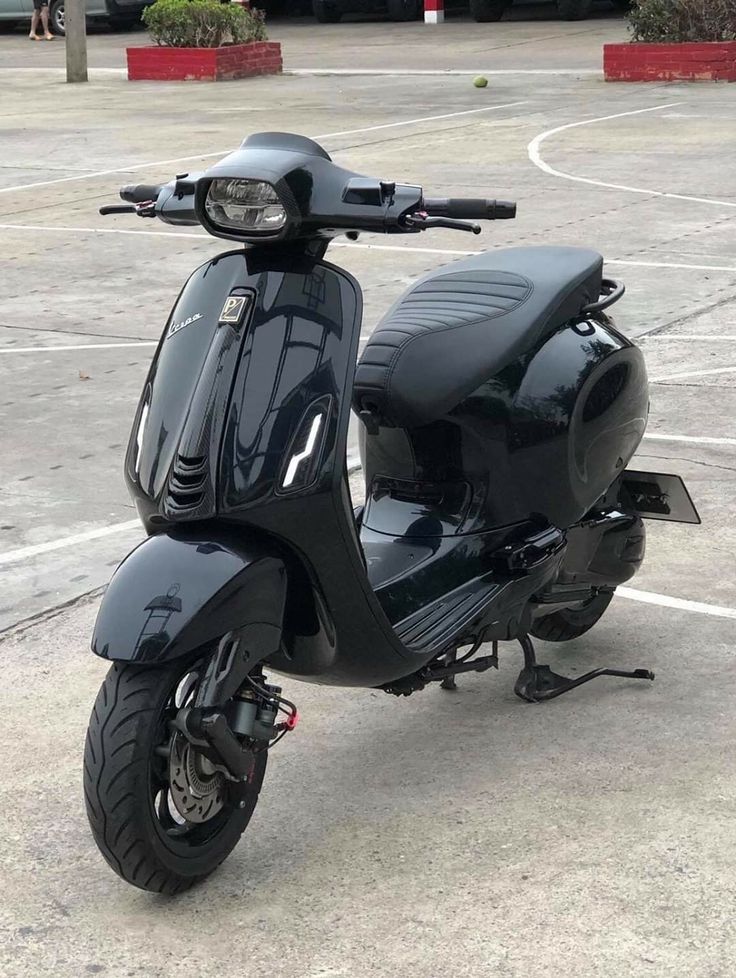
(434, 11)
(75, 25)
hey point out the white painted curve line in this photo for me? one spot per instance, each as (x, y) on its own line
(690, 439)
(26, 553)
(153, 164)
(82, 230)
(81, 346)
(535, 156)
(665, 601)
(692, 373)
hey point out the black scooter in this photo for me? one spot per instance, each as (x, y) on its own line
(499, 407)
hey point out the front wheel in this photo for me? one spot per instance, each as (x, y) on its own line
(162, 816)
(561, 626)
(488, 11)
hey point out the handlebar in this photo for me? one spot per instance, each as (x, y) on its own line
(141, 192)
(470, 208)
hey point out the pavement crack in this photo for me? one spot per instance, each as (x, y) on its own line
(700, 311)
(685, 458)
(19, 627)
(77, 332)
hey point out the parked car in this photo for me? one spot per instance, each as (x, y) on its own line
(331, 11)
(119, 14)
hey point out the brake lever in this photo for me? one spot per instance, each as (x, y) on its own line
(421, 221)
(146, 209)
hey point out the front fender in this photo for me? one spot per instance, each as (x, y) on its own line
(180, 590)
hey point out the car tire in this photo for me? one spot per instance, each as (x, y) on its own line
(56, 17)
(401, 10)
(488, 11)
(574, 9)
(326, 12)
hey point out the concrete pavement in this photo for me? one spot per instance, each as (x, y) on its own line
(468, 834)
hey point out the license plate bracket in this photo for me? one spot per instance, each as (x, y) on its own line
(658, 496)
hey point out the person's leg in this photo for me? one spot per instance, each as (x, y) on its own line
(45, 21)
(34, 22)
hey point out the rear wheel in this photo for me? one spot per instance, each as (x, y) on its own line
(574, 9)
(326, 12)
(561, 626)
(161, 814)
(404, 9)
(488, 11)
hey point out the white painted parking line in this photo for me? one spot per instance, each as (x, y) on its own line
(708, 337)
(364, 246)
(692, 373)
(535, 156)
(669, 264)
(690, 439)
(681, 604)
(79, 346)
(37, 550)
(130, 168)
(632, 594)
(389, 72)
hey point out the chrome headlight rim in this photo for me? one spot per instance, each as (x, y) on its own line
(284, 230)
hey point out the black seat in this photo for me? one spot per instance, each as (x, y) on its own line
(460, 325)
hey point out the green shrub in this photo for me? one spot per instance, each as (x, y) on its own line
(202, 23)
(675, 21)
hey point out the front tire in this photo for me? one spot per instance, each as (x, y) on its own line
(562, 626)
(488, 11)
(574, 9)
(130, 784)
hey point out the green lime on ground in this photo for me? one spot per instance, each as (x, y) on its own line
(480, 81)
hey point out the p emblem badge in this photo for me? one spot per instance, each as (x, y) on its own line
(234, 309)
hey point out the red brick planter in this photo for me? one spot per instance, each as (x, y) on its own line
(204, 64)
(709, 61)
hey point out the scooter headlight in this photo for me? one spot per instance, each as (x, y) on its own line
(248, 206)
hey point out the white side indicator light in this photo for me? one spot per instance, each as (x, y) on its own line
(139, 437)
(296, 460)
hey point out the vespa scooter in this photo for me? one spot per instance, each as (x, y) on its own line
(499, 408)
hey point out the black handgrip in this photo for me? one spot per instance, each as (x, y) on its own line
(469, 208)
(141, 192)
(117, 209)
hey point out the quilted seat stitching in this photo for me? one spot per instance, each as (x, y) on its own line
(392, 366)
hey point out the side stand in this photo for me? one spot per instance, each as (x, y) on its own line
(537, 682)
